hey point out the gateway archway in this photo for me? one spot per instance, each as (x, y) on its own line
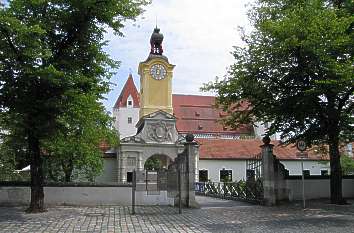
(156, 138)
(157, 162)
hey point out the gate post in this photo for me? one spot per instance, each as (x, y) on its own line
(269, 192)
(191, 148)
(133, 191)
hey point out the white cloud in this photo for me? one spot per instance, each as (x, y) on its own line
(199, 36)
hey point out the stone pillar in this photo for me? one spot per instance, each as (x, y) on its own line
(192, 151)
(197, 163)
(121, 167)
(269, 186)
(140, 161)
(119, 164)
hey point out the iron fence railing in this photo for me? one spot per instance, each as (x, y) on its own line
(242, 190)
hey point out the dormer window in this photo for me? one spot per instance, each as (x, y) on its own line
(130, 102)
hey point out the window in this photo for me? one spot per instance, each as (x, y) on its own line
(324, 172)
(131, 161)
(203, 175)
(225, 175)
(130, 120)
(306, 172)
(130, 103)
(129, 177)
(250, 174)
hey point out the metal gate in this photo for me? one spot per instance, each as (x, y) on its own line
(250, 190)
(150, 181)
(155, 181)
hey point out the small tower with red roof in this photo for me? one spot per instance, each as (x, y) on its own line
(126, 109)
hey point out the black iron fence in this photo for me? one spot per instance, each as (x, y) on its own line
(241, 190)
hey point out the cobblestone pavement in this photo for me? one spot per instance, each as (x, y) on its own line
(214, 216)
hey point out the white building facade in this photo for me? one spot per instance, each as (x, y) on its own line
(126, 109)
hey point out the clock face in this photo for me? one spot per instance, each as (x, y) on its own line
(158, 71)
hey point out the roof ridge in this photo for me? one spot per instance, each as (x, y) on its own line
(194, 95)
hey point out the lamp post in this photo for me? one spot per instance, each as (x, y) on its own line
(301, 146)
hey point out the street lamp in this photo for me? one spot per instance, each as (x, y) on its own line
(301, 146)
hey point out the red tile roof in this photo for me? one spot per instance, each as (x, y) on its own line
(128, 89)
(195, 114)
(246, 149)
(198, 114)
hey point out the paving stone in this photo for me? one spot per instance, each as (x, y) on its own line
(214, 216)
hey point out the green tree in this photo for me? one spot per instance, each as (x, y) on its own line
(347, 164)
(75, 148)
(296, 72)
(50, 56)
(12, 157)
(153, 163)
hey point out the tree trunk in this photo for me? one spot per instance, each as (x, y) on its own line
(68, 170)
(336, 172)
(37, 193)
(67, 175)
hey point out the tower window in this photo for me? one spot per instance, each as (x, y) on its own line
(130, 120)
(130, 103)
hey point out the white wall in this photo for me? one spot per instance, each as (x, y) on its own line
(317, 188)
(121, 121)
(315, 167)
(69, 195)
(238, 168)
(86, 196)
(109, 171)
(142, 198)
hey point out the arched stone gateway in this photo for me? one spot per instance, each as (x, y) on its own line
(156, 135)
(157, 162)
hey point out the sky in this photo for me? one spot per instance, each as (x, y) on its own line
(199, 36)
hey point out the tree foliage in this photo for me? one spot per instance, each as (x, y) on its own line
(153, 163)
(50, 57)
(296, 72)
(74, 151)
(10, 150)
(347, 164)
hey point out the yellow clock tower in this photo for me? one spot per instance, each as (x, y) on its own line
(155, 79)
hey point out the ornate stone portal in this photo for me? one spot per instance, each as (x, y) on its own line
(157, 135)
